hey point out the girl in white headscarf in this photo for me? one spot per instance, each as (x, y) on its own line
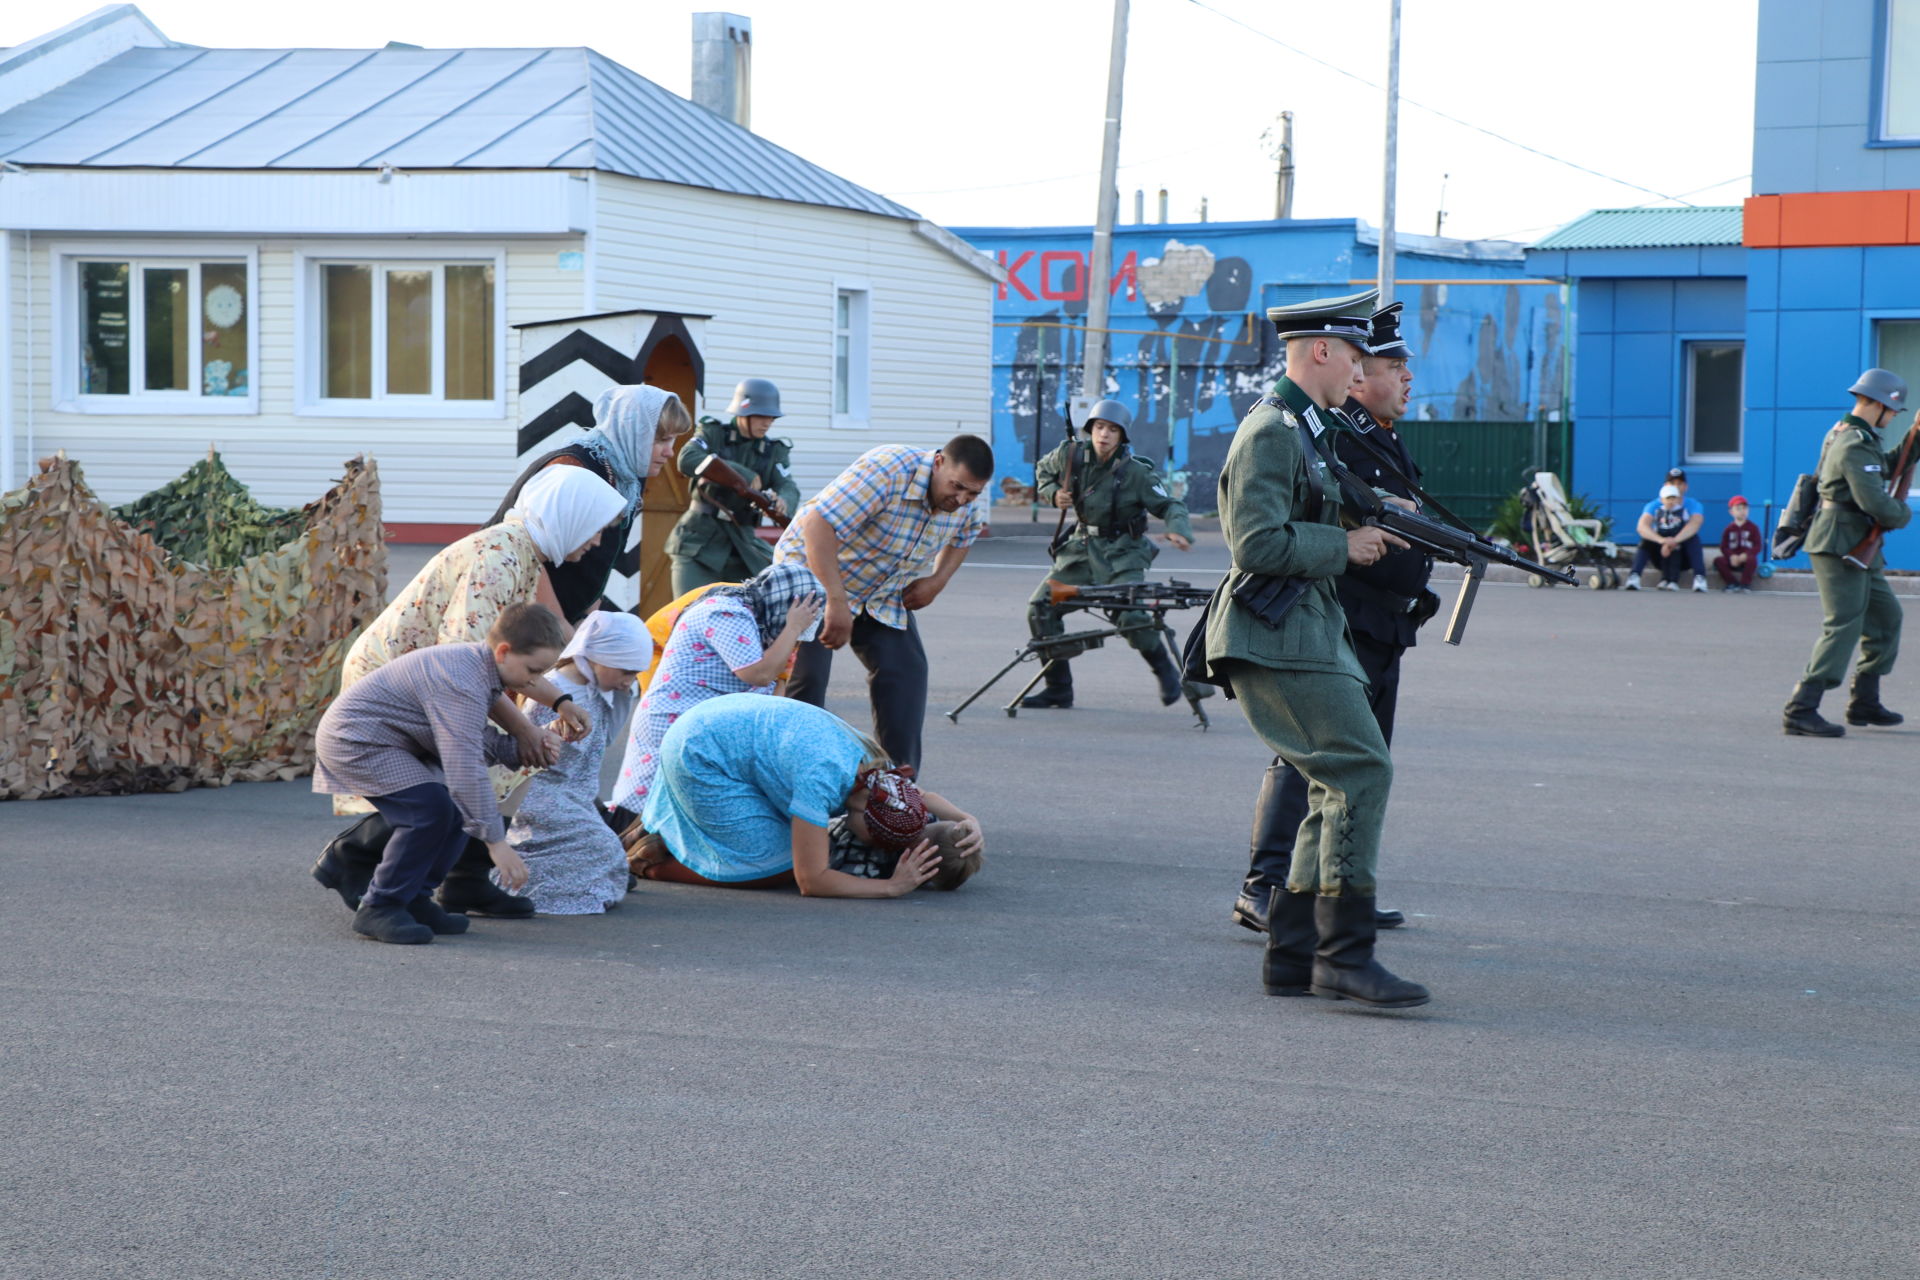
(634, 435)
(455, 599)
(575, 865)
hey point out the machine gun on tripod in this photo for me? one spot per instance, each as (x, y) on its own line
(1154, 598)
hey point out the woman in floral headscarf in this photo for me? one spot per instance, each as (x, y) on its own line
(733, 639)
(633, 438)
(747, 788)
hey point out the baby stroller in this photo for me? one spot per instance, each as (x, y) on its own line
(1562, 541)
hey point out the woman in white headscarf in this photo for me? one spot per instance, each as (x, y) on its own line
(561, 515)
(575, 865)
(635, 430)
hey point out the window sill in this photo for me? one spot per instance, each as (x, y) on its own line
(472, 410)
(848, 422)
(1728, 460)
(159, 406)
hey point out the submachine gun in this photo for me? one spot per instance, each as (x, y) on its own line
(1457, 546)
(1453, 542)
(1155, 598)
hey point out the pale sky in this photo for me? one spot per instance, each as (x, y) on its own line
(990, 113)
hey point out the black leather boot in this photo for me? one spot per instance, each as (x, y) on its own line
(347, 862)
(1058, 692)
(1287, 967)
(1864, 707)
(1166, 673)
(429, 913)
(1802, 716)
(1277, 812)
(1343, 963)
(468, 891)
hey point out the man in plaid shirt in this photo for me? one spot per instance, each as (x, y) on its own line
(869, 537)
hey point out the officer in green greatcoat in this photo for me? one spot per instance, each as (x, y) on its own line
(1111, 490)
(1858, 605)
(714, 541)
(1277, 637)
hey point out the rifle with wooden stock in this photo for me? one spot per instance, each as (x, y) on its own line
(715, 470)
(1862, 556)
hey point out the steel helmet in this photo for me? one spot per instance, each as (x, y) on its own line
(1111, 411)
(755, 397)
(1882, 387)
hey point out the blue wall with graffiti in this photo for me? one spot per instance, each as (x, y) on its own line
(1191, 349)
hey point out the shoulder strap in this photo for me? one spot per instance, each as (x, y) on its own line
(1309, 449)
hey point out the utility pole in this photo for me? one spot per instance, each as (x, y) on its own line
(1283, 175)
(1393, 149)
(1093, 376)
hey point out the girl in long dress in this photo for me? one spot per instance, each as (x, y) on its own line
(575, 865)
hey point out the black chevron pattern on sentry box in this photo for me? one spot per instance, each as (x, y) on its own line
(571, 410)
(581, 346)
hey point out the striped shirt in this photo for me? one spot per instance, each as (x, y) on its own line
(888, 534)
(420, 718)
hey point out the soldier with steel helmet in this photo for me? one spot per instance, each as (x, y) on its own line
(1858, 605)
(1111, 491)
(714, 541)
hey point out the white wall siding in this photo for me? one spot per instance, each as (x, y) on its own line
(765, 271)
(447, 470)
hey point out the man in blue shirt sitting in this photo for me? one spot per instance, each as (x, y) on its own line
(1668, 530)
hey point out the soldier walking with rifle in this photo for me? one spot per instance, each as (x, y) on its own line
(739, 474)
(1277, 638)
(1385, 603)
(1111, 491)
(1859, 502)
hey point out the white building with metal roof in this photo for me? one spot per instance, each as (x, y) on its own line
(300, 254)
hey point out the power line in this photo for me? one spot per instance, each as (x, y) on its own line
(1465, 124)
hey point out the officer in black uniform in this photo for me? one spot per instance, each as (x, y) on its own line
(1385, 603)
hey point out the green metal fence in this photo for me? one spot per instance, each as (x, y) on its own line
(1474, 466)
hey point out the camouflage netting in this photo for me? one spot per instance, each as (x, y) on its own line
(127, 664)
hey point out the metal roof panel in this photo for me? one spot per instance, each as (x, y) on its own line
(1649, 228)
(420, 108)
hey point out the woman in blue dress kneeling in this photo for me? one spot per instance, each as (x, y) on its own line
(748, 786)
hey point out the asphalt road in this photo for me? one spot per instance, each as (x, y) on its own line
(1673, 1034)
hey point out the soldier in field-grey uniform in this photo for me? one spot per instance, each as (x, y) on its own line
(1858, 605)
(1277, 637)
(1111, 491)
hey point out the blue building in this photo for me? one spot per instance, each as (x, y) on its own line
(1191, 349)
(1660, 321)
(1829, 285)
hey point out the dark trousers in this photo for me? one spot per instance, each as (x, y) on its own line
(896, 664)
(1690, 552)
(1282, 804)
(427, 838)
(1738, 575)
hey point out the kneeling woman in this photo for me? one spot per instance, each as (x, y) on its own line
(746, 788)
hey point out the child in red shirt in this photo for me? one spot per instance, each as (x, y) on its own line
(1739, 557)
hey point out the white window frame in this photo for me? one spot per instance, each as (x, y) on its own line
(859, 334)
(309, 333)
(1688, 345)
(64, 316)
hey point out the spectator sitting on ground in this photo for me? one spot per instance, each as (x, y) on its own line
(1669, 529)
(1739, 557)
